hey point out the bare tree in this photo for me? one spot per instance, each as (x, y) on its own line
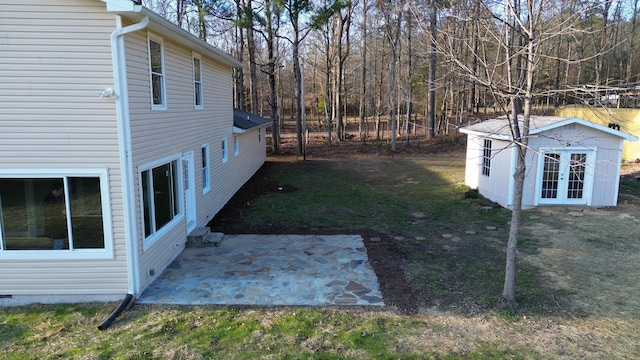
(509, 58)
(363, 128)
(433, 16)
(392, 15)
(270, 31)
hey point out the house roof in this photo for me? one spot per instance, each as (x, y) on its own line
(499, 128)
(243, 121)
(134, 11)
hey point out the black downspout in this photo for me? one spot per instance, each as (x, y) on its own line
(116, 312)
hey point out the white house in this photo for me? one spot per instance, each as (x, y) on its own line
(570, 161)
(131, 118)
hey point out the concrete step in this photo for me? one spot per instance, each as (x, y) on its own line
(202, 237)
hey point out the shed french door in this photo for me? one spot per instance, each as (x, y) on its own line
(565, 177)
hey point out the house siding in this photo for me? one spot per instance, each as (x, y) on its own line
(181, 128)
(55, 60)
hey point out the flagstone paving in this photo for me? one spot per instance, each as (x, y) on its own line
(314, 270)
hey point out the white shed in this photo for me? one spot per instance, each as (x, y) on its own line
(570, 161)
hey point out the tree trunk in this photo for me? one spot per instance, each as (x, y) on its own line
(432, 68)
(363, 75)
(522, 143)
(251, 49)
(393, 83)
(273, 66)
(409, 106)
(297, 74)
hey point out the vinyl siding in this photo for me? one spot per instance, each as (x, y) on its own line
(605, 168)
(55, 60)
(495, 187)
(181, 128)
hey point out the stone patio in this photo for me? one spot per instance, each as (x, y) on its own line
(313, 270)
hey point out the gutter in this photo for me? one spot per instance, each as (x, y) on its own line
(124, 140)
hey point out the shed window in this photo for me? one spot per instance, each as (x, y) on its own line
(486, 158)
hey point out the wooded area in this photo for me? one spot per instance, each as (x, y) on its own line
(387, 61)
(422, 66)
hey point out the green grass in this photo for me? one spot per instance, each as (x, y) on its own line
(630, 186)
(204, 332)
(381, 195)
(418, 199)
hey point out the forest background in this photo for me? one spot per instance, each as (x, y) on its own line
(448, 60)
(414, 66)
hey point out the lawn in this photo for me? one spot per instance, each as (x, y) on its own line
(577, 283)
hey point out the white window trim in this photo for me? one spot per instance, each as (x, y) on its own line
(179, 218)
(236, 145)
(225, 150)
(195, 96)
(592, 155)
(157, 39)
(206, 187)
(106, 253)
(490, 158)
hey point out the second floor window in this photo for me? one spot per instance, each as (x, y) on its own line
(156, 68)
(197, 82)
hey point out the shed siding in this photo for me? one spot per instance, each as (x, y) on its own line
(51, 72)
(491, 187)
(605, 169)
(474, 161)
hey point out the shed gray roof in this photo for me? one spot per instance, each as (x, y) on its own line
(243, 121)
(498, 128)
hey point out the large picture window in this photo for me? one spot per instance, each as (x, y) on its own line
(160, 196)
(156, 68)
(54, 213)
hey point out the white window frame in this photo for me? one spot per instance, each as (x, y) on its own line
(225, 150)
(485, 166)
(105, 198)
(206, 168)
(163, 82)
(197, 84)
(179, 217)
(236, 145)
(592, 155)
